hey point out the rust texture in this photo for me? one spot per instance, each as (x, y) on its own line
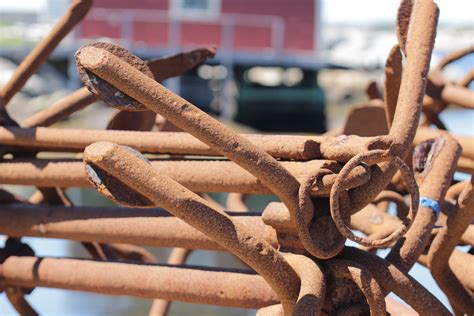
(386, 157)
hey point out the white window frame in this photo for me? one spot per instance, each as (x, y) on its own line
(177, 11)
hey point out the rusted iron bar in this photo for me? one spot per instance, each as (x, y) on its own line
(466, 142)
(135, 172)
(442, 93)
(403, 18)
(177, 256)
(186, 116)
(387, 196)
(312, 290)
(442, 246)
(372, 220)
(187, 284)
(313, 285)
(17, 298)
(392, 279)
(236, 202)
(198, 176)
(364, 280)
(454, 94)
(467, 79)
(453, 56)
(61, 109)
(460, 263)
(74, 14)
(279, 146)
(419, 46)
(162, 69)
(393, 79)
(294, 147)
(434, 163)
(395, 307)
(149, 227)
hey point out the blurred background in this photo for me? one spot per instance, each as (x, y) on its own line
(281, 66)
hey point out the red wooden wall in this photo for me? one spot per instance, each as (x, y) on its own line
(298, 17)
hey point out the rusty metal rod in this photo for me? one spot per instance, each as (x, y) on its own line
(312, 290)
(419, 46)
(187, 284)
(393, 78)
(135, 172)
(460, 263)
(61, 109)
(198, 176)
(191, 119)
(293, 147)
(17, 298)
(454, 94)
(434, 163)
(466, 142)
(162, 69)
(392, 279)
(149, 227)
(74, 14)
(177, 256)
(442, 247)
(364, 280)
(279, 146)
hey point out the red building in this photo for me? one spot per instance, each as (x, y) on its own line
(256, 31)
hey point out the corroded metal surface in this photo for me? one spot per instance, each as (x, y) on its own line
(328, 186)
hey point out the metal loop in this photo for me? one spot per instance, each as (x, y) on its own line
(303, 221)
(374, 156)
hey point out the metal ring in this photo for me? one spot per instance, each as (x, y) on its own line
(374, 156)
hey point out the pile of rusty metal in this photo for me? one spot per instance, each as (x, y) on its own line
(330, 186)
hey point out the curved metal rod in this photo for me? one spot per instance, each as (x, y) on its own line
(338, 216)
(392, 279)
(162, 68)
(443, 245)
(138, 174)
(454, 56)
(313, 284)
(312, 290)
(434, 163)
(19, 302)
(395, 197)
(393, 78)
(442, 93)
(364, 280)
(419, 46)
(467, 79)
(60, 109)
(189, 118)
